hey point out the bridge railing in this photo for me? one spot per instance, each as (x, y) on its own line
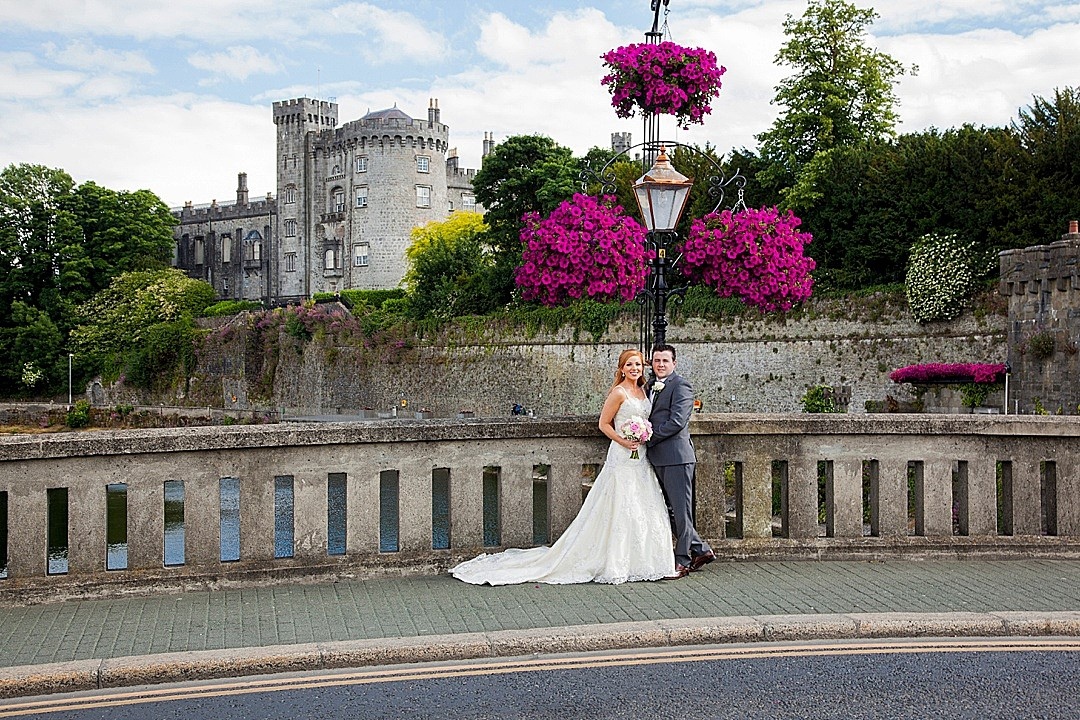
(173, 507)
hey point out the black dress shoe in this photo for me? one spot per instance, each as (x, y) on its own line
(702, 560)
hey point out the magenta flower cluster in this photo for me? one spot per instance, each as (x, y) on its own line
(663, 78)
(949, 372)
(585, 248)
(755, 255)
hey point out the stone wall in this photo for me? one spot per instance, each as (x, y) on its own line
(1042, 284)
(738, 365)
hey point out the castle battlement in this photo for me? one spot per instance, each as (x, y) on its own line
(220, 212)
(1051, 266)
(306, 111)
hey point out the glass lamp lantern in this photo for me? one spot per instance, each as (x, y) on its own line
(661, 194)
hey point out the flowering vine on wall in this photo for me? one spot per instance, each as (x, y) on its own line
(755, 255)
(586, 248)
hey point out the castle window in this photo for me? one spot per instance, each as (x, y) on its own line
(337, 170)
(361, 164)
(226, 249)
(290, 193)
(423, 196)
(256, 250)
(199, 251)
(468, 202)
(360, 254)
(290, 228)
(361, 196)
(329, 259)
(290, 262)
(423, 163)
(339, 200)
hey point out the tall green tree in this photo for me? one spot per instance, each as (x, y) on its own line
(1049, 134)
(841, 93)
(524, 173)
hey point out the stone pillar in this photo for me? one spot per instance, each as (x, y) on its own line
(362, 507)
(146, 518)
(202, 516)
(1068, 491)
(982, 494)
(802, 497)
(515, 504)
(756, 484)
(933, 499)
(710, 502)
(467, 504)
(844, 498)
(309, 515)
(86, 527)
(414, 504)
(1027, 490)
(890, 501)
(27, 547)
(257, 511)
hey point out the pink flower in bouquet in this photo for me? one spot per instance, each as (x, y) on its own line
(637, 429)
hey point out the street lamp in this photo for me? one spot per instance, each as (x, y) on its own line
(70, 355)
(661, 193)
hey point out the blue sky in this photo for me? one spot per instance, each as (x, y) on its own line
(175, 96)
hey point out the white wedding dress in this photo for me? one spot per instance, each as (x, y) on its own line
(621, 534)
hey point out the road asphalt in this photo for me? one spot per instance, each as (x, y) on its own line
(124, 641)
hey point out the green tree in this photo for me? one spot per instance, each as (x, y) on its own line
(119, 326)
(524, 173)
(842, 92)
(1049, 135)
(448, 262)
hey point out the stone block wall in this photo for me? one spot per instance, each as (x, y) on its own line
(1042, 284)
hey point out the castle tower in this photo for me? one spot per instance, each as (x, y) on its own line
(299, 122)
(620, 142)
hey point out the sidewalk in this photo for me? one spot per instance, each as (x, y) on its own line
(95, 643)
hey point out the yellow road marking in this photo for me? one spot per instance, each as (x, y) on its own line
(465, 668)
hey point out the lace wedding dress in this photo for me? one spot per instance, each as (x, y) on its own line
(621, 533)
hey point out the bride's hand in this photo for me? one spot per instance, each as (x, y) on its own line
(631, 445)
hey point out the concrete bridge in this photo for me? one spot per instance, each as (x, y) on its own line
(121, 511)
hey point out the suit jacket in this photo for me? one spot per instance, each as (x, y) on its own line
(670, 417)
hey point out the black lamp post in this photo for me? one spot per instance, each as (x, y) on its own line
(661, 193)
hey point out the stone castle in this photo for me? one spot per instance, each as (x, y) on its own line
(347, 198)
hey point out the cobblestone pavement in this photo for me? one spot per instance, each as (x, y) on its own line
(417, 606)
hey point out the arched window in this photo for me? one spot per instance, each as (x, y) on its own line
(330, 259)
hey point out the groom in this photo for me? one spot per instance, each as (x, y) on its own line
(672, 456)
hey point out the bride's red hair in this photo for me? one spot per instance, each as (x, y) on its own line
(623, 357)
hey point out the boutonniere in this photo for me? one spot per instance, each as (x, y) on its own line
(657, 386)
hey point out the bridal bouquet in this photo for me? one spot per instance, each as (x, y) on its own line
(636, 428)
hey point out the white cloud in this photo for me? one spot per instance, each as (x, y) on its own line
(182, 147)
(397, 36)
(239, 62)
(22, 78)
(86, 56)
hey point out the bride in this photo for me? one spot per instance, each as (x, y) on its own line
(622, 532)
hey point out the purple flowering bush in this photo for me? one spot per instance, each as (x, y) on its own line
(663, 78)
(755, 255)
(949, 372)
(586, 248)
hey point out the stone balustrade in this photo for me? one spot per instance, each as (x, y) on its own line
(117, 511)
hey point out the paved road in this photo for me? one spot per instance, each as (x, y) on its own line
(967, 678)
(416, 618)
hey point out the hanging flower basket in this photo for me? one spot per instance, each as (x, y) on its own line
(756, 255)
(586, 248)
(663, 78)
(947, 373)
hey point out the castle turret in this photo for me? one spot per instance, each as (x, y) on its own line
(620, 142)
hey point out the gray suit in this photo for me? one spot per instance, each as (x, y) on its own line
(672, 456)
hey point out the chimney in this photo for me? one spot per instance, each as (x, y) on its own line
(241, 189)
(433, 111)
(1074, 232)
